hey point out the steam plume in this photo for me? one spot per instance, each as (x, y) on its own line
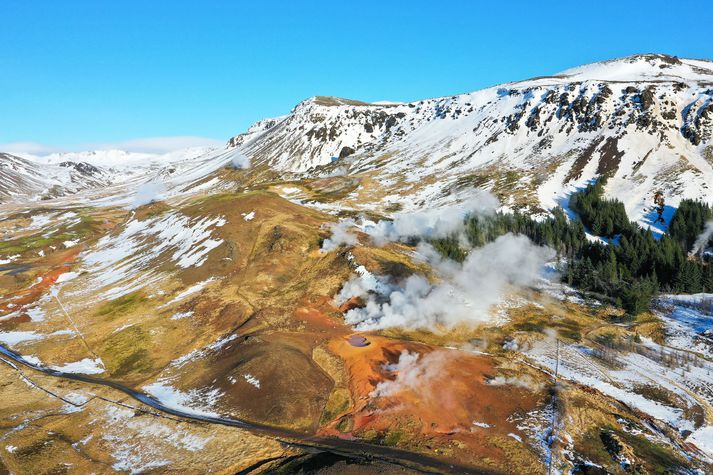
(700, 245)
(341, 235)
(240, 161)
(413, 372)
(464, 295)
(147, 193)
(425, 224)
(432, 223)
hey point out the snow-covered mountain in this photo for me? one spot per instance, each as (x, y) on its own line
(32, 178)
(646, 121)
(20, 177)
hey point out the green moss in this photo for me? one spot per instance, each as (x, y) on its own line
(121, 305)
(592, 448)
(393, 438)
(30, 243)
(339, 402)
(12, 249)
(537, 326)
(655, 457)
(84, 228)
(127, 352)
(345, 424)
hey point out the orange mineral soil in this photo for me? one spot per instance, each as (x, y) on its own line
(442, 397)
(56, 265)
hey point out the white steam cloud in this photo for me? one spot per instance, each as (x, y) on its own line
(465, 294)
(240, 161)
(425, 224)
(412, 372)
(341, 235)
(432, 223)
(147, 193)
(700, 245)
(519, 381)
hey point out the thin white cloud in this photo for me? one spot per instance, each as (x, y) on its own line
(28, 148)
(163, 144)
(157, 145)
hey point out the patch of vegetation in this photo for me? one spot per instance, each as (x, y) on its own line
(127, 352)
(450, 247)
(657, 393)
(345, 424)
(537, 326)
(708, 154)
(87, 226)
(152, 210)
(338, 403)
(370, 435)
(696, 414)
(394, 208)
(121, 305)
(337, 101)
(329, 190)
(30, 243)
(393, 438)
(656, 458)
(592, 448)
(43, 447)
(229, 196)
(688, 223)
(628, 272)
(603, 217)
(476, 180)
(568, 329)
(388, 261)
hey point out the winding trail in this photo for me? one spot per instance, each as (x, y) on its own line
(347, 448)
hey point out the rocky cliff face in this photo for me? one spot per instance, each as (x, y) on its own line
(646, 121)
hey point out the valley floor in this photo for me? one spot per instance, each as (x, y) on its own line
(218, 306)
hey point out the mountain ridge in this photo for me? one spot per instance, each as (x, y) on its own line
(529, 142)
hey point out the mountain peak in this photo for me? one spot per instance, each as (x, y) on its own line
(331, 101)
(643, 67)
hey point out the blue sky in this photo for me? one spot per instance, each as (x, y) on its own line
(78, 74)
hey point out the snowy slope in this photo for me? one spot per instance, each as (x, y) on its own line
(105, 176)
(23, 178)
(646, 121)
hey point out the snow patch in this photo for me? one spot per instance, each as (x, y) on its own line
(194, 401)
(252, 380)
(703, 438)
(85, 366)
